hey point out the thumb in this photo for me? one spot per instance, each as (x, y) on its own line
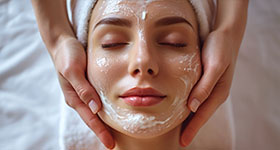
(204, 87)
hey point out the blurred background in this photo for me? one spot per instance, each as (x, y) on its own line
(30, 93)
(256, 85)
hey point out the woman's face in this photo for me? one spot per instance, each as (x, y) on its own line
(143, 60)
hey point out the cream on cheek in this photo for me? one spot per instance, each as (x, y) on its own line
(105, 70)
(102, 64)
(190, 66)
(187, 71)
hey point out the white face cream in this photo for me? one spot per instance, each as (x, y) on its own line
(102, 62)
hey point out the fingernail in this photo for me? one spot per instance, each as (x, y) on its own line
(109, 142)
(112, 144)
(93, 106)
(183, 143)
(194, 105)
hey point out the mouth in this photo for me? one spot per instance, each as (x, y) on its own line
(142, 97)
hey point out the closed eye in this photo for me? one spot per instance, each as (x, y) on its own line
(179, 45)
(113, 45)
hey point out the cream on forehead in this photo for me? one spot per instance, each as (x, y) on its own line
(123, 7)
(140, 11)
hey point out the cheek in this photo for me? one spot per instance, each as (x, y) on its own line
(97, 68)
(190, 67)
(187, 69)
(103, 71)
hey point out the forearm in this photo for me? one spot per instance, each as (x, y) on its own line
(232, 17)
(51, 16)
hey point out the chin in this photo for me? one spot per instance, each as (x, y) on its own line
(140, 126)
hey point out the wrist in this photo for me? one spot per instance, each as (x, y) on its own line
(59, 42)
(234, 31)
(231, 17)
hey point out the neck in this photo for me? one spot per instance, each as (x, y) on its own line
(167, 141)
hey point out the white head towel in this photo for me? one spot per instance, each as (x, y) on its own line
(79, 12)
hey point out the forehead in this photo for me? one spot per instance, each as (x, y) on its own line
(144, 10)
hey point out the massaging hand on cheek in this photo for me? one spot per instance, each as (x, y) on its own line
(219, 55)
(70, 61)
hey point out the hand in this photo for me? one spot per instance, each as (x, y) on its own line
(219, 54)
(70, 61)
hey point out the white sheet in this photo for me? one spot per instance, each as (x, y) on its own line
(28, 110)
(30, 94)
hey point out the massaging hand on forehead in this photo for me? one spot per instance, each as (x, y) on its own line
(219, 54)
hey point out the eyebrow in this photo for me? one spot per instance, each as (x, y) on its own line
(172, 20)
(127, 23)
(115, 21)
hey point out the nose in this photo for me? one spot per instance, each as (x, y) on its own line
(142, 61)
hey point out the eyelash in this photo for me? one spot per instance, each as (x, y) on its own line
(112, 45)
(178, 45)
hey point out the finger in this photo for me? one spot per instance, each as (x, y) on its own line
(92, 121)
(96, 125)
(205, 86)
(84, 89)
(205, 111)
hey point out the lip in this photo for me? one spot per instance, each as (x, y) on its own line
(142, 97)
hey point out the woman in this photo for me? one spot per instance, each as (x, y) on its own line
(143, 68)
(143, 60)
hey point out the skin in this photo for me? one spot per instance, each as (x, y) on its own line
(112, 69)
(212, 89)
